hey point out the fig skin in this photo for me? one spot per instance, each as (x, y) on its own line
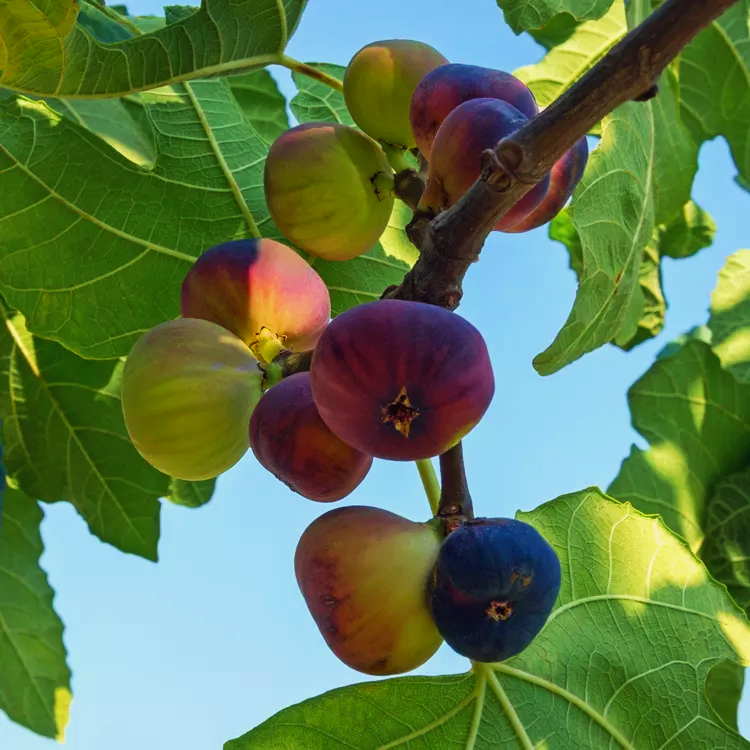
(378, 86)
(401, 380)
(290, 440)
(247, 285)
(493, 587)
(456, 156)
(444, 88)
(329, 189)
(363, 573)
(564, 178)
(189, 388)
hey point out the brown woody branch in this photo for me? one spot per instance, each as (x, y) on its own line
(451, 241)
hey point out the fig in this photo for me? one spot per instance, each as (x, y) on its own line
(289, 438)
(258, 285)
(564, 178)
(363, 573)
(329, 189)
(189, 388)
(401, 380)
(379, 83)
(444, 88)
(456, 156)
(493, 587)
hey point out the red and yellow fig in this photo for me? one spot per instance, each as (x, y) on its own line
(189, 388)
(379, 83)
(329, 189)
(364, 574)
(289, 438)
(260, 290)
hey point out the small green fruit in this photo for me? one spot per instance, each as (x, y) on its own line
(189, 388)
(329, 189)
(379, 83)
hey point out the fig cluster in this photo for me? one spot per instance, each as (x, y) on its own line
(391, 379)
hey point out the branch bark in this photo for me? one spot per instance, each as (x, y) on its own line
(451, 241)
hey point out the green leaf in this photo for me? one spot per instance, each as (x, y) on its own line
(34, 678)
(114, 122)
(639, 177)
(262, 102)
(522, 15)
(724, 690)
(645, 317)
(317, 102)
(621, 662)
(95, 248)
(613, 213)
(730, 316)
(726, 546)
(101, 26)
(32, 37)
(573, 55)
(191, 494)
(556, 31)
(691, 230)
(696, 418)
(221, 37)
(364, 279)
(714, 75)
(65, 439)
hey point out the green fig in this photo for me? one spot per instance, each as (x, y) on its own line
(364, 573)
(189, 388)
(379, 83)
(329, 189)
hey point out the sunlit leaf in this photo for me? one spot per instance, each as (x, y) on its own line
(621, 662)
(34, 675)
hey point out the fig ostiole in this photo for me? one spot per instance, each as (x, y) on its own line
(379, 83)
(493, 587)
(189, 388)
(262, 291)
(329, 189)
(401, 380)
(456, 156)
(444, 88)
(290, 440)
(364, 574)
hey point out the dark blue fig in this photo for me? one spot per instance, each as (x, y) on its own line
(493, 587)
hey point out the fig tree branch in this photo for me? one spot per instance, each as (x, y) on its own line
(451, 241)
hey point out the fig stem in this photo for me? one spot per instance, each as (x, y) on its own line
(455, 501)
(291, 362)
(430, 483)
(310, 72)
(408, 186)
(451, 242)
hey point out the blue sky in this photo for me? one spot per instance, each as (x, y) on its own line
(215, 638)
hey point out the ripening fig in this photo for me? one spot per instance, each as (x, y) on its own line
(364, 573)
(247, 286)
(456, 156)
(564, 178)
(329, 189)
(378, 86)
(289, 438)
(189, 388)
(444, 88)
(401, 380)
(493, 587)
